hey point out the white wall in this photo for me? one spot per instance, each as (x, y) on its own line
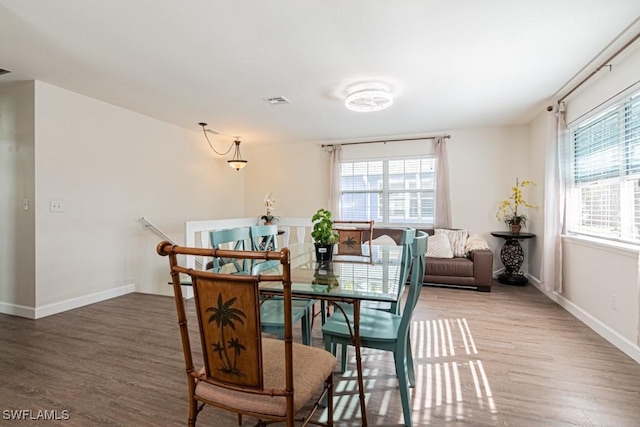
(537, 133)
(600, 280)
(484, 164)
(17, 231)
(608, 293)
(296, 174)
(109, 167)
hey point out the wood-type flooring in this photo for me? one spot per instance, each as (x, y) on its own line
(510, 357)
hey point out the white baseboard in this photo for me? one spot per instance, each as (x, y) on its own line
(70, 304)
(17, 310)
(623, 344)
(59, 307)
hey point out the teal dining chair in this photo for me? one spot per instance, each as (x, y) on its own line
(386, 331)
(238, 239)
(406, 240)
(263, 237)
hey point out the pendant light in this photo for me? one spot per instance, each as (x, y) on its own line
(236, 162)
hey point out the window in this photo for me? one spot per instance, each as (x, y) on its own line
(604, 193)
(390, 191)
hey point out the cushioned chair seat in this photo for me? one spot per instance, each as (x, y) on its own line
(380, 325)
(305, 380)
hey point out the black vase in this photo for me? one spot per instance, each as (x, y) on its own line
(323, 252)
(324, 275)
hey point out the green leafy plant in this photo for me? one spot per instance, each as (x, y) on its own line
(323, 232)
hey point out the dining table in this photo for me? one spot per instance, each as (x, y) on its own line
(371, 275)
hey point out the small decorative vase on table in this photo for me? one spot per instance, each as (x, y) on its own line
(515, 228)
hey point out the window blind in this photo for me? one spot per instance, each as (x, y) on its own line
(388, 191)
(604, 198)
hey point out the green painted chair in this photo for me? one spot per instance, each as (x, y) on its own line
(263, 237)
(406, 241)
(238, 239)
(408, 236)
(387, 331)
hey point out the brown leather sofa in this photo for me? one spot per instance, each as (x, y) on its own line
(474, 271)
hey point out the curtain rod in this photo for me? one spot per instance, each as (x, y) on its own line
(388, 140)
(594, 72)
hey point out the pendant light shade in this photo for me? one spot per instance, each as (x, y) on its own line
(237, 162)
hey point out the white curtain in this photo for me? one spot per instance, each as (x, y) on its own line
(554, 200)
(443, 200)
(335, 151)
(638, 288)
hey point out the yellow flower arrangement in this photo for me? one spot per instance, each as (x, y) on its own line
(508, 209)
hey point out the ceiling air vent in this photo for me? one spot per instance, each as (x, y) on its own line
(278, 100)
(4, 71)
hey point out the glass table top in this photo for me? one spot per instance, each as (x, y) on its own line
(374, 275)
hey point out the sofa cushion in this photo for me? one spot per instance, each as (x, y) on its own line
(449, 267)
(476, 242)
(438, 246)
(384, 240)
(458, 239)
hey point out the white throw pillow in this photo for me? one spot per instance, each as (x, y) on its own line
(438, 246)
(475, 242)
(458, 239)
(383, 240)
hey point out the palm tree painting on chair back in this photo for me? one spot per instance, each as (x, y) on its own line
(224, 316)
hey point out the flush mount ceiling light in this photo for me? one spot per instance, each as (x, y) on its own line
(368, 100)
(236, 161)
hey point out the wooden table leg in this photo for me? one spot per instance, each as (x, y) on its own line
(356, 344)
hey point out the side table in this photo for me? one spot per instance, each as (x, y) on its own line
(512, 257)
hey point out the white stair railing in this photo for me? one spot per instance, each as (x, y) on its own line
(149, 226)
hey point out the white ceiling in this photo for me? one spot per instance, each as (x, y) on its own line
(449, 64)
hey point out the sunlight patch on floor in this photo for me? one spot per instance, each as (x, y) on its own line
(446, 369)
(451, 382)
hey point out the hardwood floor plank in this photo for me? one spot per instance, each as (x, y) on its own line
(510, 357)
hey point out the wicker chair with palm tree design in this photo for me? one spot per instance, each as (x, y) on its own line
(352, 234)
(269, 379)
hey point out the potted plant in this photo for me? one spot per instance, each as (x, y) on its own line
(324, 237)
(508, 210)
(269, 203)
